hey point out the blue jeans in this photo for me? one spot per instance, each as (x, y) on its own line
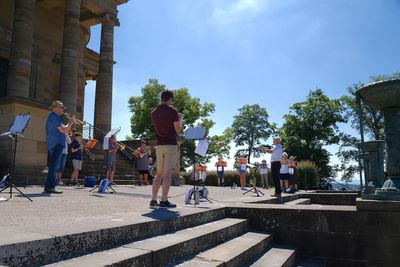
(55, 155)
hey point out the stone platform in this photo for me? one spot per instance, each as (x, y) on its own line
(78, 210)
(80, 225)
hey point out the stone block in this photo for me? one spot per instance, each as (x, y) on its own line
(377, 205)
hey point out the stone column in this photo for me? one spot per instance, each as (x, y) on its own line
(70, 55)
(80, 99)
(103, 99)
(19, 71)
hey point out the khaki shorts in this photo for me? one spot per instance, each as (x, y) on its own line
(167, 156)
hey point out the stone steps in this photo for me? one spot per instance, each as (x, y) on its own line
(300, 201)
(236, 252)
(40, 249)
(159, 250)
(277, 257)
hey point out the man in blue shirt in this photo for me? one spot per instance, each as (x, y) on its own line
(55, 140)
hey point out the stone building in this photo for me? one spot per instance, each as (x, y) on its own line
(43, 57)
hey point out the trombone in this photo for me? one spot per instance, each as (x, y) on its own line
(122, 147)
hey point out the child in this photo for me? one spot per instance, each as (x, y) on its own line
(284, 172)
(220, 164)
(77, 157)
(242, 167)
(263, 170)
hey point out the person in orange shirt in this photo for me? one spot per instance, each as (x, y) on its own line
(242, 167)
(220, 164)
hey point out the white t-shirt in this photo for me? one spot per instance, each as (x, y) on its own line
(263, 168)
(276, 153)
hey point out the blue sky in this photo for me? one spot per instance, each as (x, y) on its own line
(238, 52)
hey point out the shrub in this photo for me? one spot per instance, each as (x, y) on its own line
(308, 174)
(230, 177)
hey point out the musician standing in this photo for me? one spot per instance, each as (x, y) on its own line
(77, 147)
(55, 141)
(167, 123)
(220, 164)
(112, 159)
(276, 155)
(142, 161)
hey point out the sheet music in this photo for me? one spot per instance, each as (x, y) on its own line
(20, 123)
(202, 148)
(195, 133)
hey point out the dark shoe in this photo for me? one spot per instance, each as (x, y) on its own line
(276, 195)
(52, 191)
(167, 204)
(153, 204)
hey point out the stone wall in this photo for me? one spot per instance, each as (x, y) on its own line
(31, 155)
(340, 236)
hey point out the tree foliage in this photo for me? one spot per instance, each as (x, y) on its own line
(194, 112)
(250, 127)
(311, 125)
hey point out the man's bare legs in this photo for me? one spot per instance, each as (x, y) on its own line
(164, 176)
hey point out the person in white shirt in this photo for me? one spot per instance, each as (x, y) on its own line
(284, 172)
(276, 155)
(263, 170)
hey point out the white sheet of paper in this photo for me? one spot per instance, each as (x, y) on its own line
(202, 148)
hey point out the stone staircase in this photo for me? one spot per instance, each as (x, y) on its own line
(125, 173)
(205, 239)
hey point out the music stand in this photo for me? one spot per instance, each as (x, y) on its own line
(17, 128)
(197, 134)
(254, 188)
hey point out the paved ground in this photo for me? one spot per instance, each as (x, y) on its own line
(78, 210)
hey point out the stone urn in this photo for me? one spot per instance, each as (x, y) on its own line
(385, 97)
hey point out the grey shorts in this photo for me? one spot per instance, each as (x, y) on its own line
(111, 166)
(77, 164)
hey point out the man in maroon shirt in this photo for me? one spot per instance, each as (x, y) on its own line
(167, 123)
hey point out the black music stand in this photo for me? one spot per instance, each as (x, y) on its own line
(254, 188)
(17, 128)
(196, 134)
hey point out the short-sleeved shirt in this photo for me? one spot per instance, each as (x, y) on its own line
(263, 168)
(112, 155)
(78, 155)
(53, 135)
(163, 118)
(285, 167)
(276, 153)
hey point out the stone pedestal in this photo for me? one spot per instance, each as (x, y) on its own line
(385, 96)
(374, 165)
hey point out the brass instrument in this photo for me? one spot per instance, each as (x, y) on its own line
(121, 146)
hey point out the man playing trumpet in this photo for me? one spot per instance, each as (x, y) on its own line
(55, 140)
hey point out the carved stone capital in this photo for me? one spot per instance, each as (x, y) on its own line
(109, 18)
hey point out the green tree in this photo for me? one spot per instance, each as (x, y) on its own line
(194, 113)
(311, 125)
(250, 127)
(373, 127)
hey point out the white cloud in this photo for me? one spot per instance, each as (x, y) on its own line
(237, 11)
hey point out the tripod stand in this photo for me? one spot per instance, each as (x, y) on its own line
(193, 134)
(254, 188)
(8, 178)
